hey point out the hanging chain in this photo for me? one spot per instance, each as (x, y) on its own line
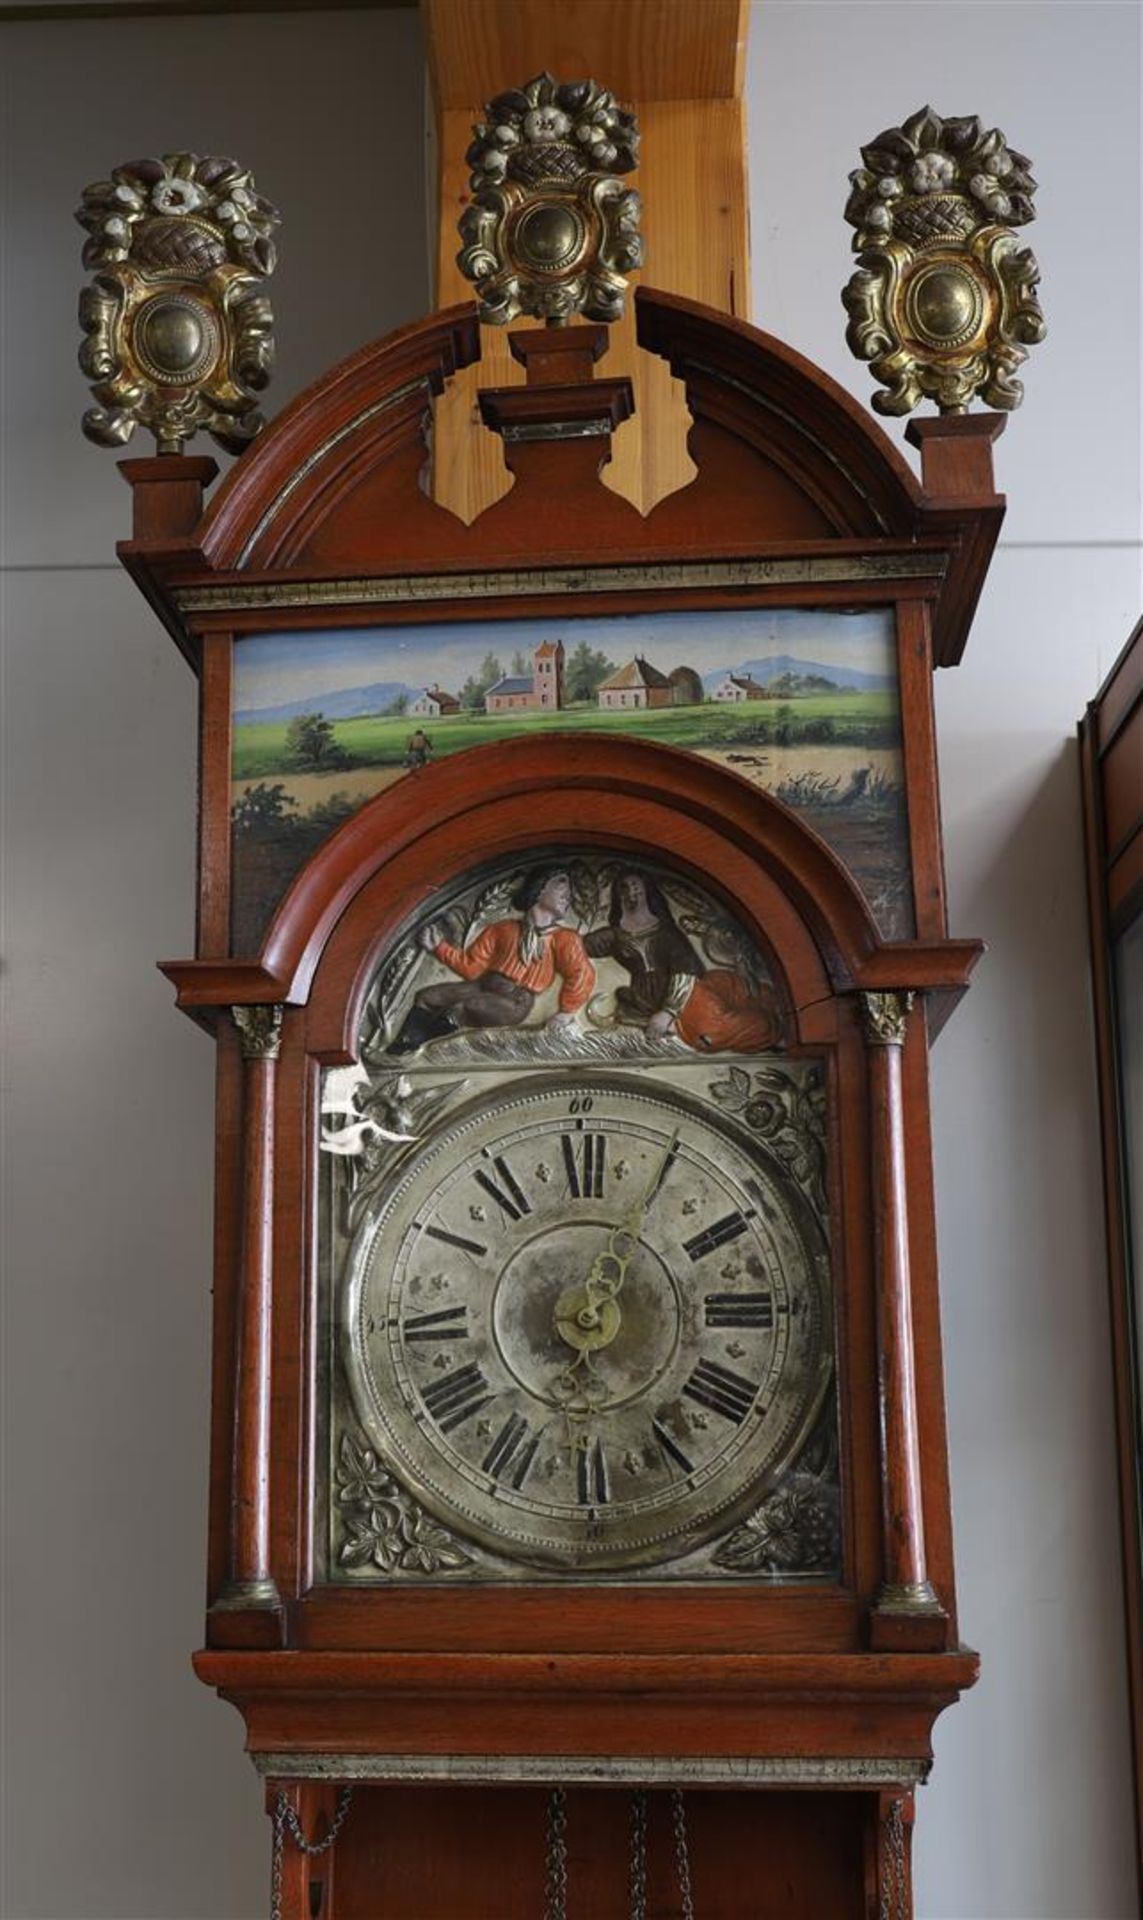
(639, 1855)
(556, 1904)
(682, 1854)
(286, 1821)
(894, 1883)
(555, 1907)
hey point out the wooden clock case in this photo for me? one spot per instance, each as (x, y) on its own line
(807, 1709)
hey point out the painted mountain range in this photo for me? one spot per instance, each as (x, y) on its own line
(778, 664)
(346, 703)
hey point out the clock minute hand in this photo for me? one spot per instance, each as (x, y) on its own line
(632, 1224)
(609, 1268)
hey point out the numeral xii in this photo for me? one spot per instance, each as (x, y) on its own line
(584, 1159)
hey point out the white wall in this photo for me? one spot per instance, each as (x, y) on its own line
(129, 1796)
(1028, 1816)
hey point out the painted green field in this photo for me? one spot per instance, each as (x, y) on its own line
(858, 719)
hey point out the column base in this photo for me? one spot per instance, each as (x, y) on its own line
(247, 1614)
(245, 1596)
(908, 1618)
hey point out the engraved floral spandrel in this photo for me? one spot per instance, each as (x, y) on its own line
(786, 1111)
(795, 1530)
(382, 1525)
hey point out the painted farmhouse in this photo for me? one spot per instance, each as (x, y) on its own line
(434, 702)
(639, 684)
(739, 686)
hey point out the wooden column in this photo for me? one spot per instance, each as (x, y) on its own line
(907, 1611)
(679, 64)
(250, 1585)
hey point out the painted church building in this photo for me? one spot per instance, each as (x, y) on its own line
(541, 691)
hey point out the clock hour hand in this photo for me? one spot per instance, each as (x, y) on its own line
(587, 1316)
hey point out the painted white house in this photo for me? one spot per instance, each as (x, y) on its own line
(433, 702)
(739, 686)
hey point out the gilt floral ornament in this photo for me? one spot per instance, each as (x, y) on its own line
(551, 229)
(178, 332)
(943, 303)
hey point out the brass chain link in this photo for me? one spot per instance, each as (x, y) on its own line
(556, 1904)
(894, 1881)
(682, 1854)
(639, 1855)
(286, 1820)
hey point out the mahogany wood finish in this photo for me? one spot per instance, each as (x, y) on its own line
(1111, 767)
(802, 501)
(787, 460)
(868, 1706)
(907, 1613)
(250, 1586)
(479, 1852)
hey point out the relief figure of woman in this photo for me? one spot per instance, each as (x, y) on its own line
(670, 989)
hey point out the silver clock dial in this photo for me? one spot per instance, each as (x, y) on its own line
(588, 1328)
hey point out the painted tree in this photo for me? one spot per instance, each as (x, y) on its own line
(586, 671)
(476, 686)
(311, 745)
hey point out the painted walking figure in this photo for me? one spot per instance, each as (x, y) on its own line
(418, 749)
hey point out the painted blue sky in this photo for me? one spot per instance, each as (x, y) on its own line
(272, 669)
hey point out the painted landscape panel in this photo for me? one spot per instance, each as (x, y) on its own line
(801, 702)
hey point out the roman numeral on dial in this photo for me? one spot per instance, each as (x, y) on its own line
(671, 1447)
(584, 1156)
(721, 1390)
(591, 1474)
(456, 1240)
(512, 1452)
(457, 1396)
(510, 1197)
(739, 1309)
(451, 1323)
(718, 1235)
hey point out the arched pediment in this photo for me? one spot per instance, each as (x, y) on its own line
(760, 407)
(783, 454)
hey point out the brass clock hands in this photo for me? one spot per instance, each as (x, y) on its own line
(588, 1315)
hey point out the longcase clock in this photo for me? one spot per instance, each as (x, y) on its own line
(572, 930)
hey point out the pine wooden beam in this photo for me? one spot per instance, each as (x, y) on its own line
(679, 64)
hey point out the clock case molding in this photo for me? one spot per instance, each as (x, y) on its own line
(799, 499)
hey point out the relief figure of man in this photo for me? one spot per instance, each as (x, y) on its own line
(505, 969)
